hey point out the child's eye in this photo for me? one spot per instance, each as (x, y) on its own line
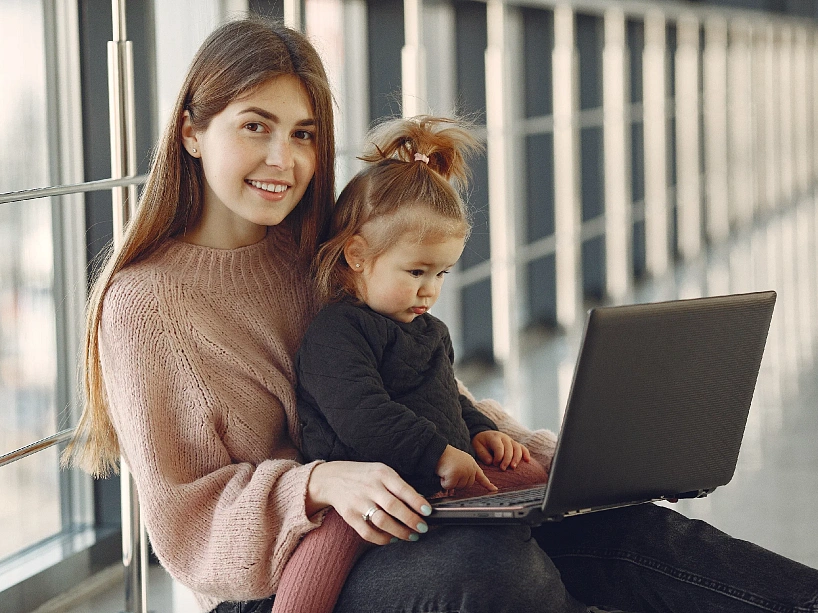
(416, 272)
(303, 135)
(442, 272)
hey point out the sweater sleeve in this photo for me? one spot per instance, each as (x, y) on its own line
(223, 528)
(338, 375)
(541, 443)
(475, 420)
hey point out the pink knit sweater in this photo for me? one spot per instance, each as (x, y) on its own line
(197, 349)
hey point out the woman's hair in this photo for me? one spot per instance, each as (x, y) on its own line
(415, 167)
(233, 61)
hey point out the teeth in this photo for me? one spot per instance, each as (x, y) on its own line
(268, 187)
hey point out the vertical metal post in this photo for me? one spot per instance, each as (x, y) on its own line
(715, 128)
(618, 206)
(759, 113)
(739, 126)
(566, 167)
(122, 119)
(688, 141)
(657, 215)
(123, 164)
(292, 14)
(803, 125)
(772, 180)
(785, 119)
(813, 110)
(502, 220)
(413, 60)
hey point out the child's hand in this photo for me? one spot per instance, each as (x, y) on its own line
(499, 449)
(457, 469)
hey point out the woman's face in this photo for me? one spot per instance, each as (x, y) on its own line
(258, 157)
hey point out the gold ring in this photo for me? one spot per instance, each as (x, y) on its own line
(368, 515)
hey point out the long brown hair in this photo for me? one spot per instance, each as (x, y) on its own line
(415, 166)
(234, 60)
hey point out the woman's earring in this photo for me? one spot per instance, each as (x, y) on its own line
(193, 150)
(358, 265)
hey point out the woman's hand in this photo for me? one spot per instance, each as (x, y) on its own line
(499, 449)
(457, 469)
(353, 488)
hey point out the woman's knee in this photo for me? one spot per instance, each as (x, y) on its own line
(465, 569)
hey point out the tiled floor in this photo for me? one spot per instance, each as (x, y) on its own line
(773, 498)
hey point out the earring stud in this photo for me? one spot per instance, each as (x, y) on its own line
(358, 265)
(194, 150)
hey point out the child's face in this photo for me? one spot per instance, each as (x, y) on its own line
(258, 157)
(405, 281)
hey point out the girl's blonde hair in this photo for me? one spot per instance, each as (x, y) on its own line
(233, 61)
(415, 166)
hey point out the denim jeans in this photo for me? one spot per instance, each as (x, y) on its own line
(640, 559)
(250, 606)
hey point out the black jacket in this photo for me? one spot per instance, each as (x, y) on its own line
(373, 389)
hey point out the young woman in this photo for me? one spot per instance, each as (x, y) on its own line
(192, 330)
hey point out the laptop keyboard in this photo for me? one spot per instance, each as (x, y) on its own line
(503, 499)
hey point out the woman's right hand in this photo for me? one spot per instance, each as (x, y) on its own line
(353, 488)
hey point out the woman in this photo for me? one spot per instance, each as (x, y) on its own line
(192, 329)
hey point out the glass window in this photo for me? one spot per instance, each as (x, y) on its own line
(31, 508)
(538, 45)
(385, 32)
(636, 46)
(590, 36)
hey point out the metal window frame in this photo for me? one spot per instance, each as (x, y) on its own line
(123, 186)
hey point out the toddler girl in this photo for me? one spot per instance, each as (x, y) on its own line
(375, 369)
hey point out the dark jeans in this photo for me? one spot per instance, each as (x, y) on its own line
(641, 559)
(251, 606)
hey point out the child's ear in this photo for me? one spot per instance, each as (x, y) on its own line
(354, 252)
(189, 140)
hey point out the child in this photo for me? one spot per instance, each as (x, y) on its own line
(375, 368)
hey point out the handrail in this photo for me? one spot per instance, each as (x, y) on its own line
(78, 188)
(45, 443)
(673, 9)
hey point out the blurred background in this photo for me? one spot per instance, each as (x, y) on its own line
(635, 151)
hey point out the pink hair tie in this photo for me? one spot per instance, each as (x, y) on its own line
(419, 157)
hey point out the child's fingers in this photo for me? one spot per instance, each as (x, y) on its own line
(482, 452)
(517, 454)
(498, 449)
(481, 478)
(507, 452)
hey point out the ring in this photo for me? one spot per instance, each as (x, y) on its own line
(368, 515)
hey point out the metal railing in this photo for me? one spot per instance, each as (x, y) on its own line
(63, 190)
(123, 184)
(45, 443)
(134, 542)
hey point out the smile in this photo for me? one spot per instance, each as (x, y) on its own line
(275, 188)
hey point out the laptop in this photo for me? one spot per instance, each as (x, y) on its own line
(657, 410)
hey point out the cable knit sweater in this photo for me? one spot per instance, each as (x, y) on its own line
(197, 348)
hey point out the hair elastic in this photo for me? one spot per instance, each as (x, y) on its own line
(420, 157)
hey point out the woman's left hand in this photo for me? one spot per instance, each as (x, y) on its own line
(371, 497)
(499, 449)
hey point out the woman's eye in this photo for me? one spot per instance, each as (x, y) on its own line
(254, 126)
(304, 135)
